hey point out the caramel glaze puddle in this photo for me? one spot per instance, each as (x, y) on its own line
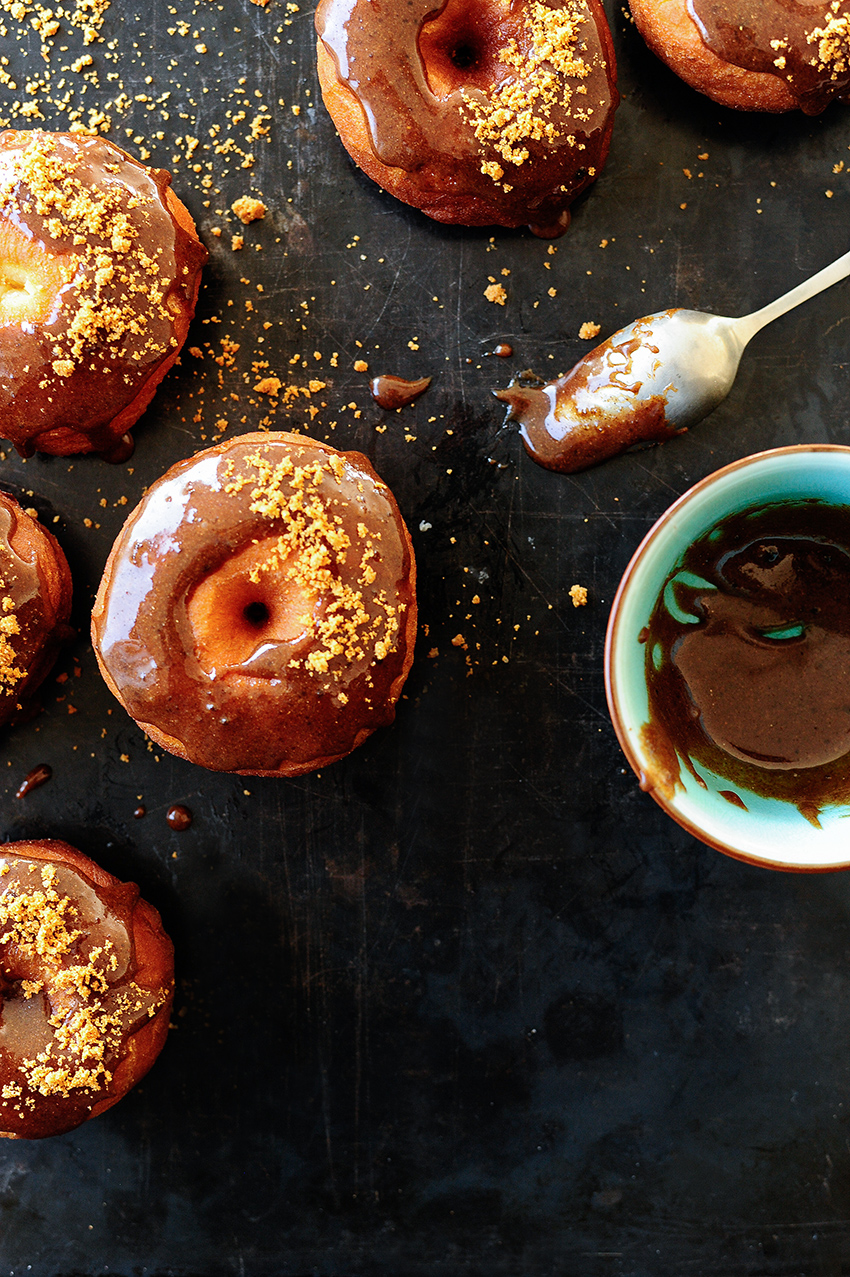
(570, 424)
(390, 391)
(748, 659)
(120, 451)
(773, 36)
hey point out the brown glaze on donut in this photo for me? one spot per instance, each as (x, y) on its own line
(763, 56)
(99, 273)
(474, 111)
(86, 985)
(35, 604)
(257, 613)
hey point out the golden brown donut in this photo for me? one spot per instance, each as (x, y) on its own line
(257, 613)
(100, 266)
(86, 986)
(35, 604)
(752, 55)
(481, 112)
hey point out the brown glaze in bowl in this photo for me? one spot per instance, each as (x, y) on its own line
(748, 825)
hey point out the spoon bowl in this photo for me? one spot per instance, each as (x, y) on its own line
(647, 382)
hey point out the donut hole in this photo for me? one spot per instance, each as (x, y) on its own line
(256, 614)
(252, 599)
(460, 47)
(465, 55)
(30, 278)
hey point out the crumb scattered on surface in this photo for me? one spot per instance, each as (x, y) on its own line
(578, 594)
(589, 330)
(248, 209)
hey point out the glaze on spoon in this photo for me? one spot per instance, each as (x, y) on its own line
(647, 382)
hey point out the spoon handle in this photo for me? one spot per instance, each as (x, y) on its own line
(748, 325)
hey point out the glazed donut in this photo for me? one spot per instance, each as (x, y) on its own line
(257, 613)
(99, 272)
(86, 985)
(35, 604)
(482, 112)
(752, 55)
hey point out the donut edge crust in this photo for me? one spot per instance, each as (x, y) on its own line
(407, 632)
(673, 36)
(56, 587)
(154, 968)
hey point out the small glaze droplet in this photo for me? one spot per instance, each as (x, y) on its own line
(121, 450)
(38, 776)
(390, 391)
(552, 230)
(178, 817)
(504, 350)
(140, 811)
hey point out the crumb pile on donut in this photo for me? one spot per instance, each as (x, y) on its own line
(753, 55)
(35, 604)
(257, 613)
(481, 112)
(99, 273)
(86, 986)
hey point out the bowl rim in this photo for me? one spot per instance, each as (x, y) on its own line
(612, 638)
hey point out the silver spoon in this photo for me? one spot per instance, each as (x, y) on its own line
(649, 381)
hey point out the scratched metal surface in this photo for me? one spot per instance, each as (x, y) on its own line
(466, 1002)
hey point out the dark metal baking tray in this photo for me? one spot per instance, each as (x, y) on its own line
(466, 1002)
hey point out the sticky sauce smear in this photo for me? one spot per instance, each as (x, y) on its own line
(38, 776)
(596, 411)
(390, 391)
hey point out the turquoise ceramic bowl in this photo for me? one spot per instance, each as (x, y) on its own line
(770, 832)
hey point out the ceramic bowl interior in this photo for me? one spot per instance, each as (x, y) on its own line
(770, 832)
